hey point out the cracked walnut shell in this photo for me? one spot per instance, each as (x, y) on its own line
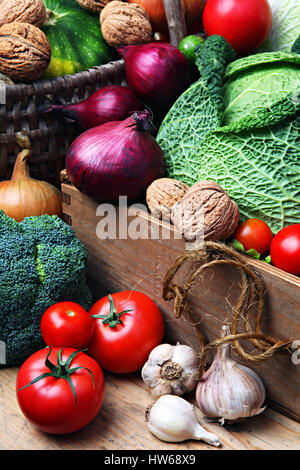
(123, 24)
(25, 51)
(162, 194)
(96, 6)
(206, 210)
(24, 11)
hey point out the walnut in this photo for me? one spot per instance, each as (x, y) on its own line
(162, 194)
(206, 209)
(25, 51)
(123, 24)
(24, 11)
(95, 6)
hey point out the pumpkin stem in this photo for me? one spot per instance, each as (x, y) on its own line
(22, 139)
(21, 170)
(51, 18)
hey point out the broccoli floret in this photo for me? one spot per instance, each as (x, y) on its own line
(41, 263)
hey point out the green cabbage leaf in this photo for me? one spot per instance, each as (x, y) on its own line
(243, 134)
(286, 25)
(258, 81)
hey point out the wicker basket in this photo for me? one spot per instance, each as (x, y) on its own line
(49, 135)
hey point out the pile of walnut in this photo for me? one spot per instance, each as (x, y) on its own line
(122, 24)
(96, 6)
(203, 211)
(25, 51)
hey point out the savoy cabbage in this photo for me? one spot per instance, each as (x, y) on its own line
(258, 81)
(286, 25)
(247, 139)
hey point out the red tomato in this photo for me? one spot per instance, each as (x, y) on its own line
(128, 327)
(50, 403)
(245, 24)
(67, 324)
(254, 234)
(285, 249)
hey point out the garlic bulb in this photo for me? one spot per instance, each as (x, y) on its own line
(229, 390)
(171, 370)
(173, 419)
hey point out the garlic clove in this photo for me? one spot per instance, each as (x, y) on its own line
(202, 435)
(178, 388)
(161, 354)
(185, 356)
(173, 419)
(229, 391)
(191, 380)
(151, 374)
(162, 388)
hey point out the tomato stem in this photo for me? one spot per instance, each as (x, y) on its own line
(60, 371)
(113, 318)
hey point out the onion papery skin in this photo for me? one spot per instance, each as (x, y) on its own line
(110, 103)
(157, 72)
(29, 197)
(115, 159)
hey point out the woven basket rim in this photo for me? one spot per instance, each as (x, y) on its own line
(59, 81)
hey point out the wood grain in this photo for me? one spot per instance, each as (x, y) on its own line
(121, 425)
(118, 264)
(176, 21)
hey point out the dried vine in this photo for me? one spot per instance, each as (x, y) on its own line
(252, 294)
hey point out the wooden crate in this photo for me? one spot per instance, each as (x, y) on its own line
(141, 264)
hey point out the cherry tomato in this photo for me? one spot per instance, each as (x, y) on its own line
(245, 24)
(67, 396)
(67, 324)
(285, 249)
(127, 327)
(254, 234)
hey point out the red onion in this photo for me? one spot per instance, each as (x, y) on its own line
(119, 158)
(157, 72)
(111, 103)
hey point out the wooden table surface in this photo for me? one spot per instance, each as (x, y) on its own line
(120, 424)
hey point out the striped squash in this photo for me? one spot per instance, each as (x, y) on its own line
(75, 37)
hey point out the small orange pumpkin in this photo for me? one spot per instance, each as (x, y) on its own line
(23, 196)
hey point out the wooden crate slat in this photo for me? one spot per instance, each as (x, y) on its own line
(141, 264)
